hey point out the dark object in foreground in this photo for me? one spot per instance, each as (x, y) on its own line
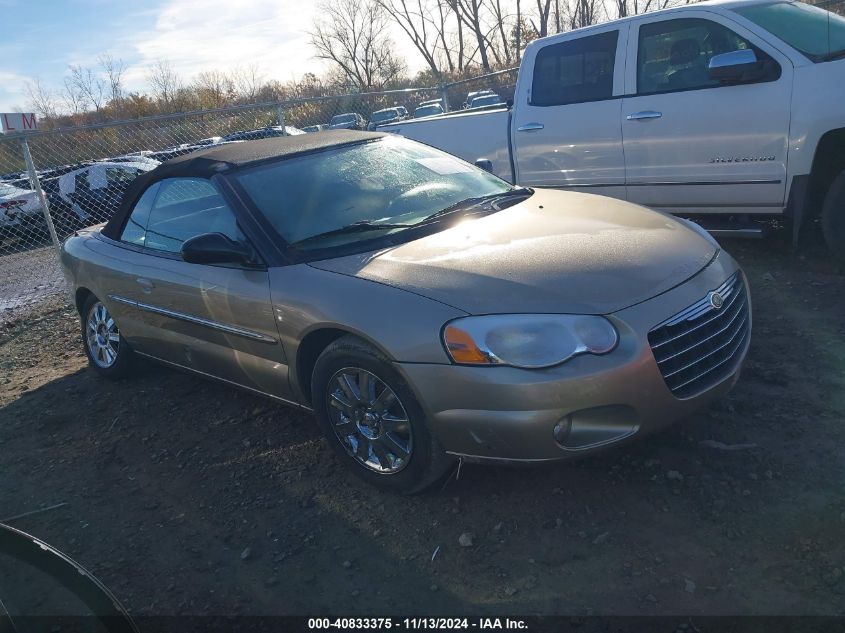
(32, 554)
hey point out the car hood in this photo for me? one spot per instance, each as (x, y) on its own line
(556, 252)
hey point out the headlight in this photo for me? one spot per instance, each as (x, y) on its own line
(530, 341)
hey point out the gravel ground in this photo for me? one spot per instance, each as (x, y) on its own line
(27, 279)
(187, 497)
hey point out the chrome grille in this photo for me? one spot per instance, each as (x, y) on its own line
(700, 346)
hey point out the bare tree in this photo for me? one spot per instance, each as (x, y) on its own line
(416, 19)
(164, 81)
(542, 23)
(90, 85)
(501, 20)
(583, 13)
(114, 69)
(41, 99)
(213, 89)
(352, 34)
(247, 81)
(469, 12)
(74, 100)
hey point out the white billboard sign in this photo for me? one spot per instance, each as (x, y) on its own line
(17, 122)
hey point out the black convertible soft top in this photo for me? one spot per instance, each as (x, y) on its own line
(217, 159)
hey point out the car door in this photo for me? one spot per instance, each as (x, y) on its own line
(213, 319)
(565, 126)
(693, 144)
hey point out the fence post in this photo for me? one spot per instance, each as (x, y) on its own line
(280, 116)
(36, 186)
(444, 97)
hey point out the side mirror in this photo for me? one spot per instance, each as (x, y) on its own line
(740, 66)
(216, 248)
(485, 163)
(509, 103)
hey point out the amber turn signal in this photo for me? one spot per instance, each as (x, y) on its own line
(462, 348)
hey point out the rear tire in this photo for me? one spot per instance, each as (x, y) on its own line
(833, 218)
(108, 352)
(372, 419)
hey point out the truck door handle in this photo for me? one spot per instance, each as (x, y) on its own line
(527, 127)
(645, 114)
(146, 285)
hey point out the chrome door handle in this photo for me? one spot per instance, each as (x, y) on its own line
(146, 285)
(645, 114)
(527, 127)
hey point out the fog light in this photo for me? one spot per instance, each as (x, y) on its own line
(561, 430)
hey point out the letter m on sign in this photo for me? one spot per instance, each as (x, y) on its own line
(29, 122)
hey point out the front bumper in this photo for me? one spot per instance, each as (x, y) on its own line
(511, 414)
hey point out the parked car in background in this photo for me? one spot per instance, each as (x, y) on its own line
(437, 102)
(90, 194)
(310, 129)
(473, 95)
(432, 109)
(348, 121)
(487, 101)
(20, 211)
(403, 111)
(725, 111)
(381, 117)
(211, 140)
(263, 132)
(427, 312)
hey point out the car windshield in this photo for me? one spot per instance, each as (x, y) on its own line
(818, 34)
(383, 115)
(389, 181)
(427, 111)
(343, 118)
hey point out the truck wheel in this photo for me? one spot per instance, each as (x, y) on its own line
(833, 218)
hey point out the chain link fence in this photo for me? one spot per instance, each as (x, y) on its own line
(55, 182)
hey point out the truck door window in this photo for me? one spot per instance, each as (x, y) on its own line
(575, 71)
(674, 54)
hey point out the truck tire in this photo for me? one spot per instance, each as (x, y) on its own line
(833, 218)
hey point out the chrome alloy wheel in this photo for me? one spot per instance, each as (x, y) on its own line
(369, 420)
(102, 336)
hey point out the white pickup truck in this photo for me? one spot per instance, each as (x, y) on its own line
(718, 109)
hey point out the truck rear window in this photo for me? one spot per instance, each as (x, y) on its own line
(575, 71)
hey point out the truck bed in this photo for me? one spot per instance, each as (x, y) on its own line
(471, 136)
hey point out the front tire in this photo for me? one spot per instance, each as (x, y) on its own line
(833, 218)
(372, 420)
(107, 351)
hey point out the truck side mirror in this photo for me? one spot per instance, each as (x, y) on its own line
(736, 67)
(484, 163)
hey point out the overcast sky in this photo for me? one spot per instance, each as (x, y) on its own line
(42, 37)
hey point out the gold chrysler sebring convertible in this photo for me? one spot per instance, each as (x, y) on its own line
(425, 310)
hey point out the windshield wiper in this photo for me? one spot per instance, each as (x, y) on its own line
(470, 203)
(356, 227)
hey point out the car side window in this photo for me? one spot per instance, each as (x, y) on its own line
(185, 208)
(136, 225)
(575, 71)
(674, 55)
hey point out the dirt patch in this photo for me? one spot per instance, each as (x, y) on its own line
(187, 497)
